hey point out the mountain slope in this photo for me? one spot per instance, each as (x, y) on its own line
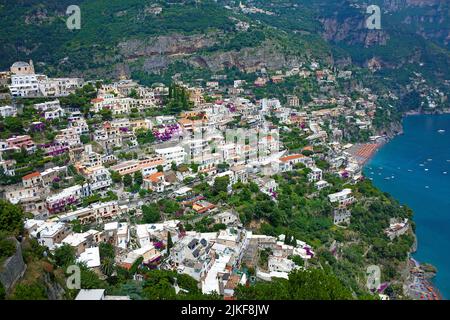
(132, 38)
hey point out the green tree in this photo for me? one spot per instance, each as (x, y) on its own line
(106, 250)
(11, 218)
(311, 284)
(116, 177)
(150, 214)
(107, 266)
(34, 291)
(90, 280)
(2, 292)
(7, 247)
(106, 114)
(221, 184)
(84, 138)
(169, 242)
(138, 179)
(64, 255)
(127, 180)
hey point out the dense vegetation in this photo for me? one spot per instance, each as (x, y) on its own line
(297, 29)
(311, 284)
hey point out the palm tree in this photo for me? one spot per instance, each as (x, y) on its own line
(107, 266)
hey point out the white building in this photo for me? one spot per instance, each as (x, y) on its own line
(315, 175)
(322, 184)
(343, 197)
(91, 257)
(53, 113)
(50, 234)
(99, 178)
(173, 154)
(96, 212)
(25, 83)
(279, 264)
(68, 196)
(8, 111)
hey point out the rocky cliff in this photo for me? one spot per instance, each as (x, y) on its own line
(13, 268)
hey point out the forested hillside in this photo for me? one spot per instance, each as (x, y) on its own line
(153, 40)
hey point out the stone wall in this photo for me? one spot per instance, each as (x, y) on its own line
(13, 268)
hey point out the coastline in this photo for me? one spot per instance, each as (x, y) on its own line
(428, 112)
(418, 283)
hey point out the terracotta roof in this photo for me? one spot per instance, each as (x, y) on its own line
(185, 121)
(155, 177)
(97, 100)
(292, 157)
(153, 163)
(32, 175)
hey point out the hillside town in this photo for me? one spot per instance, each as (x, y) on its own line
(158, 172)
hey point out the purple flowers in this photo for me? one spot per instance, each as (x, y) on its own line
(231, 107)
(168, 132)
(39, 126)
(158, 245)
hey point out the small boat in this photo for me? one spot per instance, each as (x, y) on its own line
(445, 172)
(426, 169)
(409, 170)
(422, 165)
(441, 131)
(427, 187)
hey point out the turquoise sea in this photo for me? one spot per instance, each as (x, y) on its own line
(415, 169)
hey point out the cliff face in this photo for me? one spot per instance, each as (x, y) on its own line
(427, 18)
(158, 53)
(247, 59)
(54, 290)
(13, 268)
(129, 37)
(352, 31)
(166, 45)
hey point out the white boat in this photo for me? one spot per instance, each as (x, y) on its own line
(441, 131)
